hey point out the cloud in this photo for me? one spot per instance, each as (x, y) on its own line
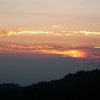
(67, 53)
(54, 30)
(80, 53)
(19, 32)
(87, 32)
(97, 47)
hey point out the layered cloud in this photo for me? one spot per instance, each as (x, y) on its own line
(79, 53)
(52, 30)
(20, 32)
(52, 40)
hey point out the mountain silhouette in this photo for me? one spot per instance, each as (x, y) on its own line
(83, 85)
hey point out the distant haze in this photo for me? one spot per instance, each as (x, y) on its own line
(34, 12)
(25, 71)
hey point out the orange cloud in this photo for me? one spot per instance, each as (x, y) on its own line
(70, 53)
(44, 49)
(86, 53)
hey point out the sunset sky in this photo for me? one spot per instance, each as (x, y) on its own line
(48, 31)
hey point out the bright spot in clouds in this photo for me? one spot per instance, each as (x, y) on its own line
(70, 53)
(80, 53)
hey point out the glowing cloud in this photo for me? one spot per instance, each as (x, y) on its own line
(53, 30)
(80, 53)
(97, 47)
(87, 32)
(70, 53)
(44, 49)
(17, 32)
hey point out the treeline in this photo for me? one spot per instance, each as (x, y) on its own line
(83, 85)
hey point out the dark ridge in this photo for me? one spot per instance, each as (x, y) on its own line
(83, 85)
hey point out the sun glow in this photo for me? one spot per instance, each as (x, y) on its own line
(70, 53)
(45, 49)
(76, 53)
(90, 54)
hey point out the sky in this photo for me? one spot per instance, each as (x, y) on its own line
(21, 13)
(46, 39)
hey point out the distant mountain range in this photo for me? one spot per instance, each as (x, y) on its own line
(83, 85)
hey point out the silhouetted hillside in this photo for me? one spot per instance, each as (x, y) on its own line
(83, 85)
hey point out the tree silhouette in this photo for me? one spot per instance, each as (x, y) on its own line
(83, 85)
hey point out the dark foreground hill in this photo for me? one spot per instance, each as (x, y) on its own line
(83, 85)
